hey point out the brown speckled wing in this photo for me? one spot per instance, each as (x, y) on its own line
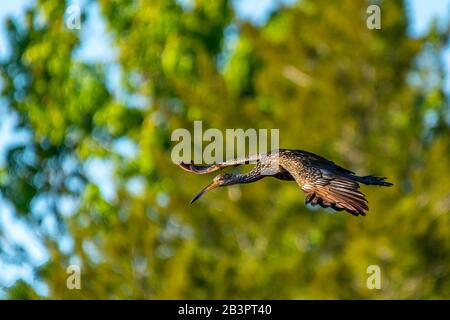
(191, 167)
(199, 169)
(326, 187)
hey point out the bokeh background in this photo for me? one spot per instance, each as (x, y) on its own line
(86, 177)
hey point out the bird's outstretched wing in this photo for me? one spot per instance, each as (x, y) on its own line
(318, 161)
(198, 169)
(191, 167)
(326, 186)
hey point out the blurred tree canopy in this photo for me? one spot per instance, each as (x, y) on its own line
(371, 100)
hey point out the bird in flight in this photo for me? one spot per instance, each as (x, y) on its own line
(324, 182)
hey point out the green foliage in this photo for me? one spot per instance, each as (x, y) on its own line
(360, 97)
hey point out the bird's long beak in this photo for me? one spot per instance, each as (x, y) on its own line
(210, 186)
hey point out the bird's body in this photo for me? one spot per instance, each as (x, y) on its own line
(324, 183)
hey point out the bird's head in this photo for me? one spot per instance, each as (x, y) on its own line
(222, 179)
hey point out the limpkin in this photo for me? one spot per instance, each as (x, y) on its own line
(324, 182)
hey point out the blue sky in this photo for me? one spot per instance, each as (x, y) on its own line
(97, 47)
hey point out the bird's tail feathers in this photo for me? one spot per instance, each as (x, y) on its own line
(373, 180)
